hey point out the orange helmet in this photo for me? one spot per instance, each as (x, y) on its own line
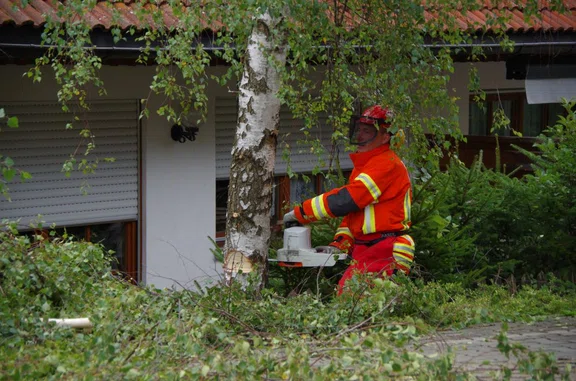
(376, 116)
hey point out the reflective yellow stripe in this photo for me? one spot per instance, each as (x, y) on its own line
(369, 225)
(404, 253)
(344, 231)
(407, 212)
(408, 257)
(404, 248)
(370, 185)
(400, 255)
(402, 259)
(408, 238)
(318, 208)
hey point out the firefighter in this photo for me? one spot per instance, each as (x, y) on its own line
(375, 203)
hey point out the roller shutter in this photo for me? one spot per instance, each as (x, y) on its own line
(41, 144)
(302, 160)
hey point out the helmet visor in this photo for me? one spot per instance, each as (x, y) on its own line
(363, 129)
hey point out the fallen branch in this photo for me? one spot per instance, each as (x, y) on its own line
(73, 323)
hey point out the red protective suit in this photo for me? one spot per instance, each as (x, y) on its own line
(376, 201)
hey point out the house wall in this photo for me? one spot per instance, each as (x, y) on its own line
(177, 184)
(492, 78)
(178, 180)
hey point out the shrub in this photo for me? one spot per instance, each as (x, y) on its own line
(473, 224)
(551, 191)
(451, 215)
(41, 277)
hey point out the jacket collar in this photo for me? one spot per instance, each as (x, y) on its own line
(361, 158)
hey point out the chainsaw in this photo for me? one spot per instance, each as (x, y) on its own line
(298, 252)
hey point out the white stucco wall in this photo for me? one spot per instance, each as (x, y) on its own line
(178, 180)
(179, 204)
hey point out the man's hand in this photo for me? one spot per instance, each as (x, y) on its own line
(289, 217)
(328, 250)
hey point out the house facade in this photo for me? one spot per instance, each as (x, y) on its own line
(158, 201)
(155, 204)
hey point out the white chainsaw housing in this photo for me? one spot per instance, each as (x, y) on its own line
(297, 250)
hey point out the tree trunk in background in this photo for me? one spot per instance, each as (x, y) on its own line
(253, 155)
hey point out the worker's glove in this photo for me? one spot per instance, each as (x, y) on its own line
(328, 250)
(289, 217)
(341, 246)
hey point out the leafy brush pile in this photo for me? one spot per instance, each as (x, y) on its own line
(227, 332)
(42, 277)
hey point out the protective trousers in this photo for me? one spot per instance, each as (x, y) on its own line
(384, 257)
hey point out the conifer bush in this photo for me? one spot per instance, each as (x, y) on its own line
(550, 200)
(476, 224)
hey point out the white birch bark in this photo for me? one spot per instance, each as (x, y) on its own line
(253, 155)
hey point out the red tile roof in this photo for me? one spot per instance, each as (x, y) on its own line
(124, 12)
(550, 20)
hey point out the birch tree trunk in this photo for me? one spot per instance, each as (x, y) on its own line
(253, 155)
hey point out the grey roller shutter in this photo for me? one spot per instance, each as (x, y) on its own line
(41, 144)
(225, 121)
(302, 159)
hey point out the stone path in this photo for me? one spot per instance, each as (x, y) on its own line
(475, 348)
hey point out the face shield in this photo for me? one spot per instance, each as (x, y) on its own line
(364, 129)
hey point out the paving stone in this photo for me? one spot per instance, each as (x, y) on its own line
(475, 348)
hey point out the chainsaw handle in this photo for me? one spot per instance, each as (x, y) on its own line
(290, 224)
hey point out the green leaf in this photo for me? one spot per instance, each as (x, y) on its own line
(8, 173)
(13, 122)
(25, 175)
(205, 370)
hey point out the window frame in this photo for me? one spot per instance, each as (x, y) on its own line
(517, 117)
(130, 268)
(282, 195)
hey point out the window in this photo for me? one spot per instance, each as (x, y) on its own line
(302, 188)
(221, 204)
(530, 120)
(121, 237)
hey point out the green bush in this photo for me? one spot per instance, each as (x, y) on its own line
(41, 277)
(550, 210)
(476, 224)
(452, 216)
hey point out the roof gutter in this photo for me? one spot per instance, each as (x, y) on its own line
(497, 45)
(216, 48)
(99, 48)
